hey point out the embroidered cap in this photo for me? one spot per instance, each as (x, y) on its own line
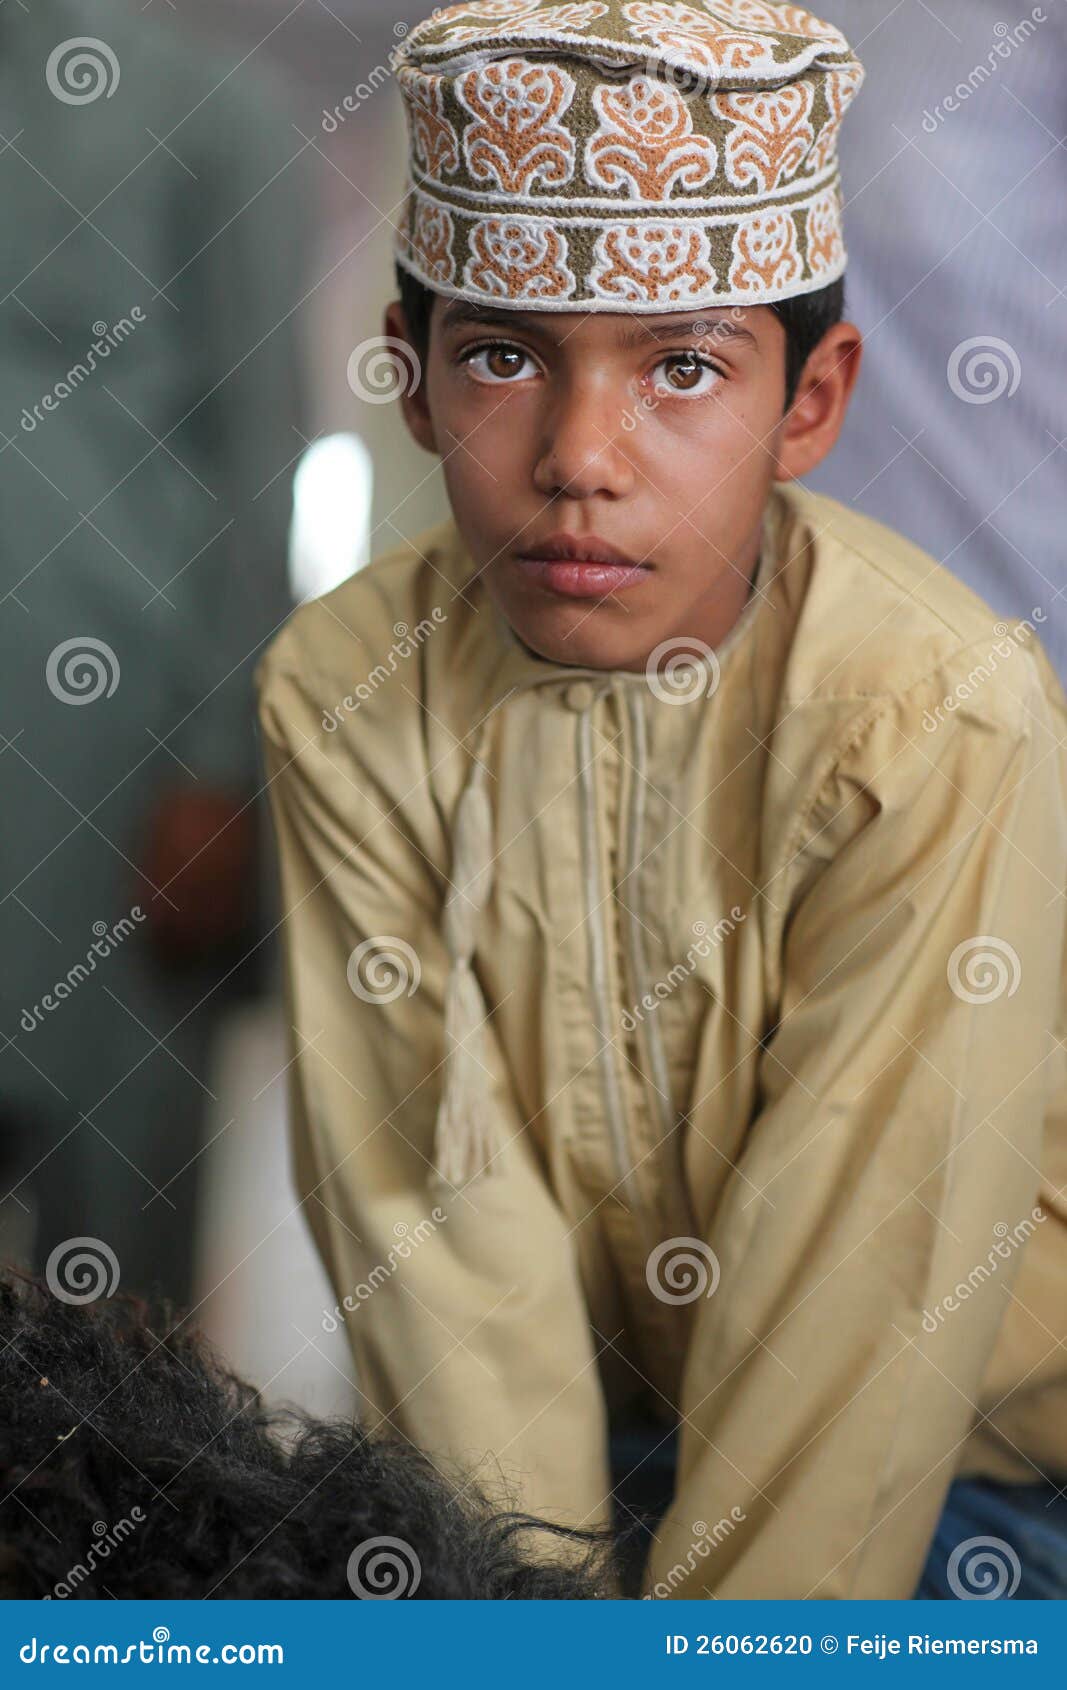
(610, 155)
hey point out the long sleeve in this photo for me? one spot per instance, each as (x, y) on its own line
(875, 1219)
(463, 1308)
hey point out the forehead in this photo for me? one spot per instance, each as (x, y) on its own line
(734, 327)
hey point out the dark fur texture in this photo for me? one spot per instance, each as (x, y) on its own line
(116, 1406)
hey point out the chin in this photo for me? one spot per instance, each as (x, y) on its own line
(583, 643)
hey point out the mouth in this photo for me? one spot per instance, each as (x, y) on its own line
(580, 568)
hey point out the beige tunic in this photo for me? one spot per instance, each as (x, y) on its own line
(764, 1013)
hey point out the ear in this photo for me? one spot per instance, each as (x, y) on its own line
(813, 421)
(412, 380)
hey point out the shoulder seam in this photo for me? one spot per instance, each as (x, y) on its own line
(896, 693)
(879, 704)
(853, 545)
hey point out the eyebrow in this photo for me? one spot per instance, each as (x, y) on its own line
(700, 328)
(459, 312)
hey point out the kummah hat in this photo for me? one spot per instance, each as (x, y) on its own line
(611, 155)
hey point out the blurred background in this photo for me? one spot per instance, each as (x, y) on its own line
(198, 198)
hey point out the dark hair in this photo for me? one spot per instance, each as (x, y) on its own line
(134, 1464)
(805, 319)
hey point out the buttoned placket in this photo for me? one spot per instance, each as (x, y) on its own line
(641, 1120)
(611, 950)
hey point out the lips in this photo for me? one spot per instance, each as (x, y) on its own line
(580, 567)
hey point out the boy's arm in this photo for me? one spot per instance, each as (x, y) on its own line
(464, 1310)
(835, 1370)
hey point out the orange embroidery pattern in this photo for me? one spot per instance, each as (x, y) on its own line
(696, 38)
(432, 135)
(677, 152)
(792, 20)
(840, 85)
(826, 249)
(512, 259)
(770, 134)
(652, 263)
(432, 234)
(518, 139)
(765, 253)
(520, 17)
(646, 141)
(488, 12)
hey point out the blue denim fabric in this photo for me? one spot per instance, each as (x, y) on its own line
(643, 1463)
(992, 1541)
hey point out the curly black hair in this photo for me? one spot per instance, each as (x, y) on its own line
(133, 1463)
(805, 319)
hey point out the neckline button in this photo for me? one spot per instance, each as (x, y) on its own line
(579, 695)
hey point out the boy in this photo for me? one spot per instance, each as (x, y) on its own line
(674, 871)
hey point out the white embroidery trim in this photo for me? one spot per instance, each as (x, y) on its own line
(808, 186)
(639, 307)
(621, 54)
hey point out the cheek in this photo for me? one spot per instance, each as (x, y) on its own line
(718, 442)
(477, 482)
(487, 439)
(710, 480)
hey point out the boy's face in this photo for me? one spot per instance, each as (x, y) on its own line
(608, 472)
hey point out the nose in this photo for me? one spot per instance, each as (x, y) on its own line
(581, 453)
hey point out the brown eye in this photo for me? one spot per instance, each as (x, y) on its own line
(684, 373)
(498, 364)
(504, 361)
